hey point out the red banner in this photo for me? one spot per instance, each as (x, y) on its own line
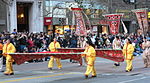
(114, 22)
(80, 24)
(142, 17)
(47, 20)
(68, 53)
(22, 57)
(114, 55)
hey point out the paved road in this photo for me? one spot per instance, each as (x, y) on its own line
(72, 73)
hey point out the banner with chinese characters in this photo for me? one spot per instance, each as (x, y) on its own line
(80, 24)
(114, 55)
(114, 22)
(20, 58)
(142, 17)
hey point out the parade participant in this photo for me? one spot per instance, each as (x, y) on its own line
(146, 56)
(83, 45)
(9, 48)
(90, 54)
(128, 50)
(116, 45)
(1, 56)
(53, 48)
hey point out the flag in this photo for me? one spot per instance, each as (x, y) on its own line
(142, 17)
(114, 22)
(80, 24)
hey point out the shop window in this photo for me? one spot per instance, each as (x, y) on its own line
(59, 29)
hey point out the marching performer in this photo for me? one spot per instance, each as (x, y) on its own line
(9, 48)
(146, 56)
(53, 48)
(128, 50)
(117, 45)
(90, 54)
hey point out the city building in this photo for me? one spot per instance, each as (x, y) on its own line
(25, 15)
(62, 14)
(55, 16)
(94, 9)
(3, 16)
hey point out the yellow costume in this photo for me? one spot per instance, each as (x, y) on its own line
(90, 57)
(9, 48)
(52, 47)
(128, 50)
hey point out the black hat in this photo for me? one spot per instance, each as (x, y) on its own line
(90, 43)
(129, 40)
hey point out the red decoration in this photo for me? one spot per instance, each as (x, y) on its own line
(22, 57)
(114, 55)
(142, 18)
(47, 20)
(114, 22)
(76, 8)
(68, 53)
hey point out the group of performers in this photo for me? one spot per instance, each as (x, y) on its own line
(89, 54)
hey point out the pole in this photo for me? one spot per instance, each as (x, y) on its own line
(110, 6)
(135, 5)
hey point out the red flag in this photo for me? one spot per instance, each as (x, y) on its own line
(142, 18)
(114, 22)
(80, 24)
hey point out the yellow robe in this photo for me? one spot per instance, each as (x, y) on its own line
(53, 48)
(128, 50)
(90, 57)
(9, 48)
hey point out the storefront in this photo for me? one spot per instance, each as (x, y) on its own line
(64, 29)
(104, 28)
(3, 16)
(63, 20)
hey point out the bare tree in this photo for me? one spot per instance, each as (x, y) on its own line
(7, 2)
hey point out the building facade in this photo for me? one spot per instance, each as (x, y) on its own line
(36, 15)
(62, 14)
(25, 15)
(3, 16)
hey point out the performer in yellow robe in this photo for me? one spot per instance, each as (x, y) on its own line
(90, 54)
(9, 48)
(128, 50)
(53, 48)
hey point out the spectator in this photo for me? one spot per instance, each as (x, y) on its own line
(14, 31)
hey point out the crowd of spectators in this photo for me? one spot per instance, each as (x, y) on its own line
(38, 42)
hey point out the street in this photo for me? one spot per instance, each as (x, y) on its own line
(73, 73)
